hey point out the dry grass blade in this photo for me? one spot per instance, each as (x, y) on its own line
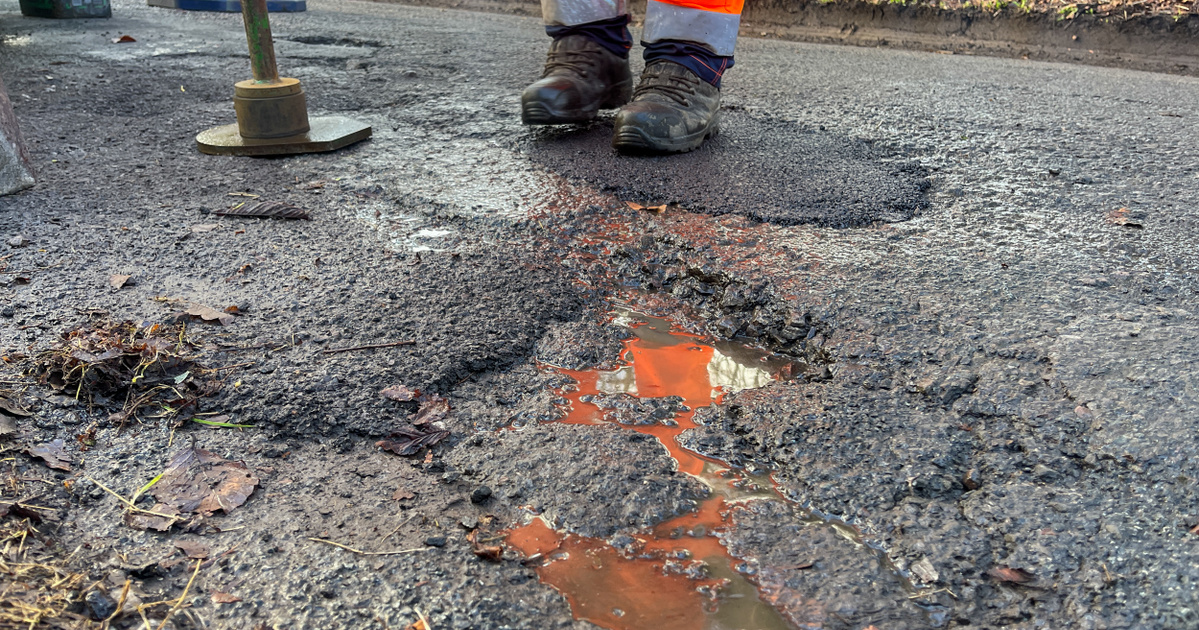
(365, 553)
(181, 597)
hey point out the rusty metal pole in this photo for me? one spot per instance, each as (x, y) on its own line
(258, 36)
(272, 113)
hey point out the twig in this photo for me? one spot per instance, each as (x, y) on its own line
(365, 553)
(369, 347)
(181, 597)
(230, 367)
(421, 615)
(393, 532)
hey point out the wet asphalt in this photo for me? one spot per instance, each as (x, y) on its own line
(987, 265)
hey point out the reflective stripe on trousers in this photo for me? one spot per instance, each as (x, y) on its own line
(712, 23)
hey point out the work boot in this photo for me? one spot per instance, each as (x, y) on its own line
(673, 111)
(581, 77)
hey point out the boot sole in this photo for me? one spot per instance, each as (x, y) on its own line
(535, 113)
(637, 141)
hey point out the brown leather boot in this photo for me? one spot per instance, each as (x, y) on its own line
(581, 77)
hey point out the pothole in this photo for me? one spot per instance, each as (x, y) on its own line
(678, 574)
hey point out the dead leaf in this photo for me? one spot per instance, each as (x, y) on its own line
(193, 549)
(488, 550)
(196, 481)
(1121, 217)
(124, 39)
(20, 511)
(224, 598)
(433, 408)
(12, 408)
(419, 624)
(924, 569)
(205, 228)
(314, 185)
(195, 309)
(117, 280)
(1012, 575)
(402, 495)
(655, 209)
(409, 441)
(53, 453)
(8, 428)
(400, 393)
(267, 210)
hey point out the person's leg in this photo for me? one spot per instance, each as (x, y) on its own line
(688, 47)
(587, 68)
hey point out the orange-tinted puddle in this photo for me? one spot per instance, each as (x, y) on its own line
(676, 576)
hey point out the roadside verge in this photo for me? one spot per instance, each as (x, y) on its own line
(1156, 43)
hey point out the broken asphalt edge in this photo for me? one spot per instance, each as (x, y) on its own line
(1154, 43)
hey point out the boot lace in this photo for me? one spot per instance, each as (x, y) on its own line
(673, 86)
(579, 62)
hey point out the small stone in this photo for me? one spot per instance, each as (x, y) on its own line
(99, 604)
(972, 480)
(469, 522)
(410, 74)
(1045, 473)
(435, 541)
(7, 311)
(18, 241)
(481, 494)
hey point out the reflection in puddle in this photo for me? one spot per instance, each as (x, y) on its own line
(678, 576)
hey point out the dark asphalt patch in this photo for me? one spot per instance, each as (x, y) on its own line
(770, 170)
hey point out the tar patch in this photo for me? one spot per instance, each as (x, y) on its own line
(772, 170)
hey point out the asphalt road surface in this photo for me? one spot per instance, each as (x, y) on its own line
(981, 272)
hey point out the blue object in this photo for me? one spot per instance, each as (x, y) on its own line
(229, 6)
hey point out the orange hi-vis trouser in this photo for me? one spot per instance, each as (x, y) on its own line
(711, 23)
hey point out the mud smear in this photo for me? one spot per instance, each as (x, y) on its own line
(678, 575)
(767, 169)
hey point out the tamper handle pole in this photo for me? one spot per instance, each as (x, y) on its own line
(258, 36)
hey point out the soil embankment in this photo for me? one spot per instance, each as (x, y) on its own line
(1154, 41)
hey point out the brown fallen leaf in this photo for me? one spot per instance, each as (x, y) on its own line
(124, 39)
(193, 549)
(316, 184)
(267, 210)
(400, 393)
(117, 280)
(198, 482)
(409, 441)
(487, 550)
(419, 624)
(1012, 575)
(195, 309)
(53, 453)
(1121, 217)
(224, 598)
(13, 408)
(659, 209)
(433, 408)
(402, 495)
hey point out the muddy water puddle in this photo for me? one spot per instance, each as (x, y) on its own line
(677, 575)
